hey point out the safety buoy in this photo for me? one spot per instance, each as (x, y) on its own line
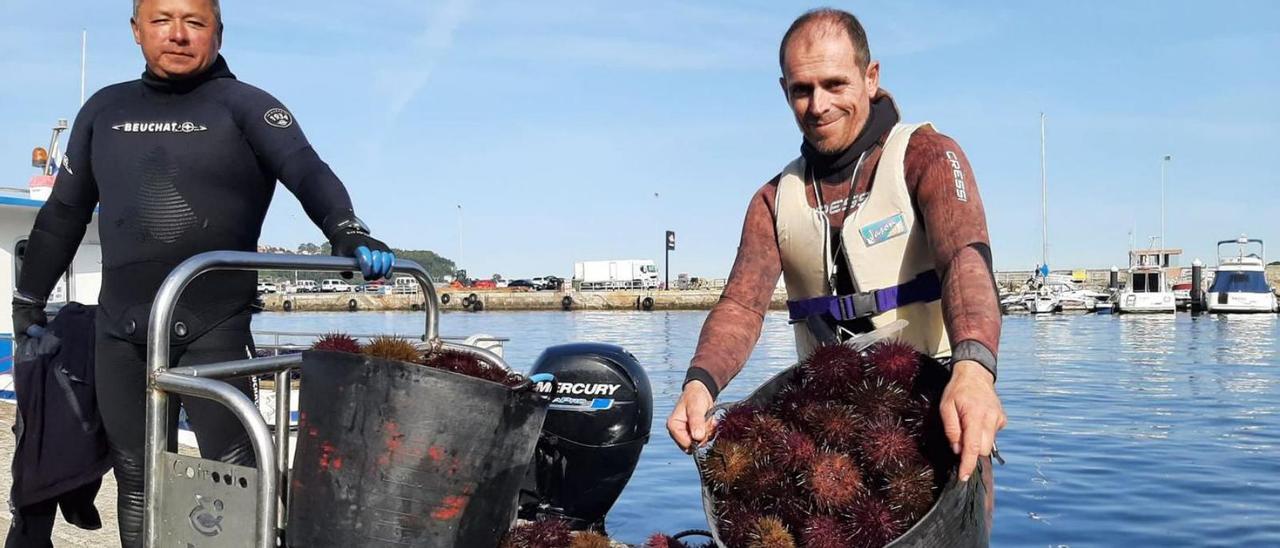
(287, 306)
(647, 303)
(444, 299)
(566, 303)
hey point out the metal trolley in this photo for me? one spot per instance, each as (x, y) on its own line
(193, 502)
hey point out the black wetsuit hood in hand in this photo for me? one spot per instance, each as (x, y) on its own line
(840, 165)
(217, 70)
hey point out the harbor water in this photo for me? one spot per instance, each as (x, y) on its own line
(1123, 430)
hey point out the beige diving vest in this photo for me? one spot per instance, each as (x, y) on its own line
(884, 246)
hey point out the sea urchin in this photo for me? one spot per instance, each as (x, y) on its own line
(835, 481)
(337, 342)
(392, 348)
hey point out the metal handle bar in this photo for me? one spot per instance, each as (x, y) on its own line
(188, 380)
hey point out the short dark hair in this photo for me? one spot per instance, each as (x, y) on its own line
(833, 19)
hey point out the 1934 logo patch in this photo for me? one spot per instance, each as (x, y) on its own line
(278, 117)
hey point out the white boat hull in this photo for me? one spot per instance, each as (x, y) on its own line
(1042, 305)
(1146, 303)
(1239, 302)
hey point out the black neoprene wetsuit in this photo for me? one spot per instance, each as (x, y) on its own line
(177, 168)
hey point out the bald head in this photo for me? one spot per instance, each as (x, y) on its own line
(823, 23)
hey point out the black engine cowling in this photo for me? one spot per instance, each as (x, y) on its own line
(596, 426)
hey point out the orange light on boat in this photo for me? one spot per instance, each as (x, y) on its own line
(39, 157)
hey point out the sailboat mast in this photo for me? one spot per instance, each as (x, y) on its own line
(1044, 201)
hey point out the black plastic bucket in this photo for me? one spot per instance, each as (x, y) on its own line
(960, 518)
(392, 454)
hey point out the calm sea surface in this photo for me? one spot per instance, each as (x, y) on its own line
(1123, 430)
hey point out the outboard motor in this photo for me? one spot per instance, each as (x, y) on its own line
(596, 426)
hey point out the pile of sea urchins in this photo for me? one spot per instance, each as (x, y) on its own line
(850, 453)
(396, 348)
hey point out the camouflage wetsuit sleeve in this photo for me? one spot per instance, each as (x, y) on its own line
(946, 195)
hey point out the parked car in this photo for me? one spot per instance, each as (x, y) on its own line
(305, 286)
(334, 286)
(374, 288)
(522, 283)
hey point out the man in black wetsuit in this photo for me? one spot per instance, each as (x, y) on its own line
(181, 161)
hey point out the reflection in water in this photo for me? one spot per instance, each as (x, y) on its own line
(1146, 338)
(1246, 338)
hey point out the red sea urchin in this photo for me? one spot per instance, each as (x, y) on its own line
(831, 369)
(826, 532)
(733, 523)
(832, 425)
(835, 481)
(463, 363)
(793, 451)
(876, 398)
(551, 533)
(909, 492)
(750, 425)
(874, 524)
(337, 342)
(885, 445)
(895, 361)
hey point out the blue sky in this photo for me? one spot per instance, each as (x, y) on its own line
(554, 124)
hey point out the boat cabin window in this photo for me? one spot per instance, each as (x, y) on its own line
(1147, 282)
(19, 251)
(1240, 282)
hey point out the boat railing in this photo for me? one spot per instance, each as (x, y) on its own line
(236, 494)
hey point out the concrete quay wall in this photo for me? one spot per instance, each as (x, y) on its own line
(504, 300)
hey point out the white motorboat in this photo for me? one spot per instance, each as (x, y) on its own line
(1240, 284)
(1146, 288)
(1041, 301)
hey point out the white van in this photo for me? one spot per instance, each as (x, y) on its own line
(406, 285)
(334, 286)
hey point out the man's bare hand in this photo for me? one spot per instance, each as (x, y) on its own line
(971, 414)
(688, 424)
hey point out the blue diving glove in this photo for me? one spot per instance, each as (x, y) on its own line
(349, 237)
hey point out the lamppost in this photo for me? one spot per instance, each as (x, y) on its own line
(1163, 164)
(458, 264)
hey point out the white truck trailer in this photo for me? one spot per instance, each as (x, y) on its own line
(622, 274)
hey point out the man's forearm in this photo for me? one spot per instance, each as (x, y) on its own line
(727, 338)
(51, 246)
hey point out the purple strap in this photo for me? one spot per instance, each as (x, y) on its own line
(924, 288)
